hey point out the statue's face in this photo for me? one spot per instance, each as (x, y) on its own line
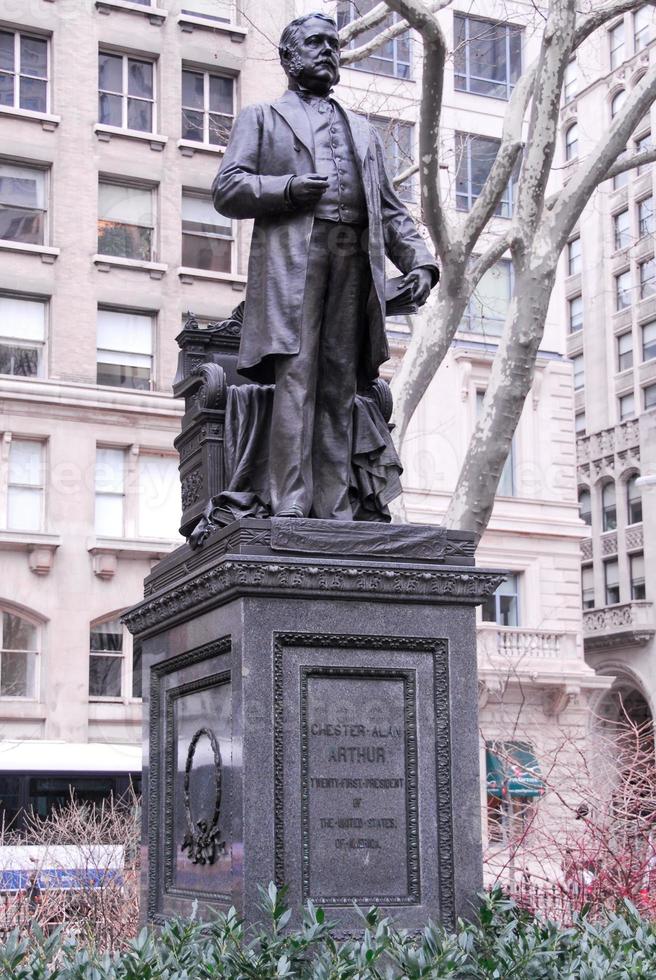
(313, 61)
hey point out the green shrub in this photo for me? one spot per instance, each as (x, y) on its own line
(506, 944)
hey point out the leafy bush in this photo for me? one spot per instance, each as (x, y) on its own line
(507, 944)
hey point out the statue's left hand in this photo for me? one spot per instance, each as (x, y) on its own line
(421, 281)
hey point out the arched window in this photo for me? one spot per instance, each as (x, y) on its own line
(114, 661)
(585, 507)
(617, 102)
(572, 142)
(608, 507)
(633, 500)
(19, 648)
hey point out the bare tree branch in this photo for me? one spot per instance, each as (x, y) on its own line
(545, 114)
(502, 168)
(405, 174)
(631, 162)
(601, 16)
(435, 53)
(372, 19)
(489, 258)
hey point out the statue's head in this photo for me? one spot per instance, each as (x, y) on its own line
(309, 53)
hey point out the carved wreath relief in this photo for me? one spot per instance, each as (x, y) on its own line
(203, 838)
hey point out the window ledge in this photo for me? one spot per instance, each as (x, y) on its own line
(191, 22)
(155, 15)
(47, 252)
(48, 121)
(105, 134)
(39, 547)
(189, 147)
(157, 270)
(189, 275)
(123, 710)
(132, 548)
(22, 708)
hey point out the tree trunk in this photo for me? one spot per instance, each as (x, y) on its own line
(510, 382)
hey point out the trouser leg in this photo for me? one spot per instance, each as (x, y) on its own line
(292, 419)
(343, 323)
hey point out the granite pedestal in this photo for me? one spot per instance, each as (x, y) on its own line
(310, 714)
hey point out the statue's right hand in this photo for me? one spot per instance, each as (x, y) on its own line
(308, 189)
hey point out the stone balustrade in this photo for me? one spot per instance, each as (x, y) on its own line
(618, 625)
(517, 646)
(607, 442)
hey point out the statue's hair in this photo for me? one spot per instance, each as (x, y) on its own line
(288, 36)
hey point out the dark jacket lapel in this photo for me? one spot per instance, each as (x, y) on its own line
(290, 108)
(359, 126)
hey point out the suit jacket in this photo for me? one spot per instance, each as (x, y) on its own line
(270, 144)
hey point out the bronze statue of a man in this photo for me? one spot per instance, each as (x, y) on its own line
(312, 175)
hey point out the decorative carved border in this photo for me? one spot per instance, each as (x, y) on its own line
(171, 742)
(407, 677)
(438, 648)
(464, 584)
(155, 741)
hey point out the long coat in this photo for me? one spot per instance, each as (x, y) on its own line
(270, 144)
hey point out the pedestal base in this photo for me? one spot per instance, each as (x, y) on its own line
(311, 719)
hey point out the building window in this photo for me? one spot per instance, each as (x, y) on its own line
(22, 336)
(637, 572)
(474, 158)
(649, 396)
(19, 648)
(125, 349)
(22, 204)
(23, 71)
(219, 10)
(641, 146)
(114, 662)
(625, 352)
(506, 487)
(571, 82)
(126, 221)
(622, 229)
(503, 607)
(160, 509)
(633, 500)
(585, 507)
(572, 142)
(649, 340)
(627, 407)
(617, 102)
(647, 271)
(110, 492)
(488, 56)
(579, 423)
(646, 216)
(126, 92)
(608, 507)
(587, 587)
(106, 660)
(617, 45)
(623, 290)
(488, 305)
(397, 138)
(206, 236)
(575, 313)
(579, 372)
(642, 27)
(611, 582)
(393, 57)
(208, 107)
(574, 257)
(622, 179)
(26, 486)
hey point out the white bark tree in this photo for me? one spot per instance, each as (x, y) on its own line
(535, 236)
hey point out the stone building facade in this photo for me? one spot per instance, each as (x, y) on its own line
(608, 279)
(107, 239)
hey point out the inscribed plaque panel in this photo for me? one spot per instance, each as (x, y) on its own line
(359, 792)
